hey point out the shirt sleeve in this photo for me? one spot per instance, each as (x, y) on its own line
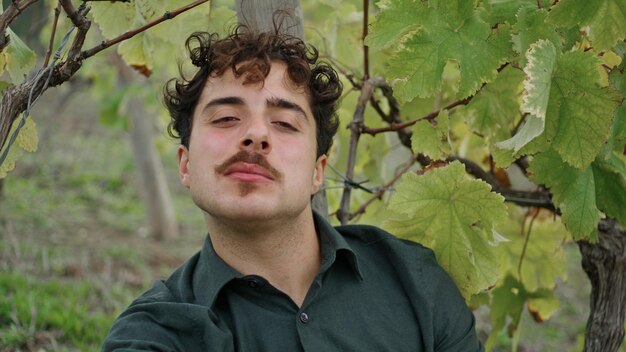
(454, 322)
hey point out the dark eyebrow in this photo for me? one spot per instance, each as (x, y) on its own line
(223, 101)
(285, 104)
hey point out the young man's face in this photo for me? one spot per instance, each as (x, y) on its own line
(252, 151)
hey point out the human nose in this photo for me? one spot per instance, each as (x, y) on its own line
(256, 137)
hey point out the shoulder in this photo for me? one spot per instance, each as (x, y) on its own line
(150, 320)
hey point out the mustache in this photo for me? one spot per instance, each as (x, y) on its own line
(249, 158)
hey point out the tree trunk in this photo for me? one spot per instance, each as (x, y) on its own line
(161, 219)
(153, 185)
(262, 16)
(605, 265)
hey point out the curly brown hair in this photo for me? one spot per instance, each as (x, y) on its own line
(250, 55)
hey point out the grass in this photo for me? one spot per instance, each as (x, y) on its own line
(73, 250)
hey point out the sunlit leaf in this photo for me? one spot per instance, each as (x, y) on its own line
(113, 18)
(543, 256)
(432, 140)
(27, 140)
(454, 215)
(606, 19)
(448, 31)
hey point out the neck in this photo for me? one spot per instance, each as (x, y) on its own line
(285, 252)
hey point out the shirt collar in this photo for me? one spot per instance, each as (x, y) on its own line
(333, 243)
(212, 273)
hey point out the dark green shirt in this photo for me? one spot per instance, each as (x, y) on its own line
(373, 292)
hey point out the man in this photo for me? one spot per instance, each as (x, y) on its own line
(256, 122)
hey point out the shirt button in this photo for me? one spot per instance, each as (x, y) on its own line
(304, 318)
(253, 283)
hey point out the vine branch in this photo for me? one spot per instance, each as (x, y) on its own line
(386, 187)
(394, 127)
(129, 34)
(343, 214)
(15, 97)
(57, 12)
(366, 64)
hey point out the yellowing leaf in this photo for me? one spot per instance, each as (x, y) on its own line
(18, 57)
(542, 305)
(137, 53)
(606, 19)
(544, 259)
(27, 140)
(454, 215)
(541, 62)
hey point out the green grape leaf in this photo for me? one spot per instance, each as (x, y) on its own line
(177, 30)
(573, 191)
(113, 18)
(610, 181)
(457, 35)
(507, 304)
(606, 19)
(544, 258)
(582, 109)
(495, 108)
(18, 57)
(27, 140)
(618, 135)
(396, 19)
(431, 140)
(531, 26)
(454, 215)
(506, 10)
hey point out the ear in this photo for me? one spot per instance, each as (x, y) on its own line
(318, 173)
(183, 165)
